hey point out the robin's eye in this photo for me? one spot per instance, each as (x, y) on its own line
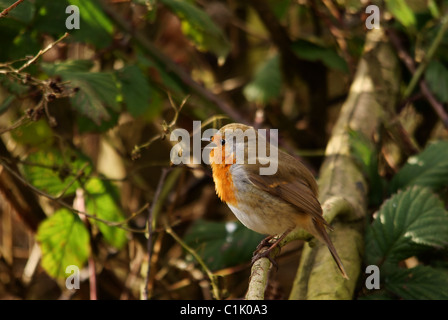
(223, 142)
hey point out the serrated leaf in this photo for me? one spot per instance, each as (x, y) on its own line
(267, 82)
(436, 76)
(222, 244)
(97, 92)
(419, 283)
(135, 89)
(66, 67)
(199, 27)
(429, 168)
(52, 172)
(64, 241)
(101, 200)
(407, 223)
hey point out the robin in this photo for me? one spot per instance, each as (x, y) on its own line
(274, 204)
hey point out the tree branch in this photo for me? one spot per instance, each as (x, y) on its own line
(5, 12)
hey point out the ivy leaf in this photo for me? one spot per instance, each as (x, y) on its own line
(267, 82)
(222, 244)
(101, 200)
(64, 241)
(429, 168)
(409, 222)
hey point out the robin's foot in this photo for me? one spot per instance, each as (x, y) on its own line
(264, 243)
(266, 253)
(265, 248)
(262, 252)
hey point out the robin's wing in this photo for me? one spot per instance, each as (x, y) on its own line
(292, 182)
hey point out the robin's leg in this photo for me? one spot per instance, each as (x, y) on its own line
(259, 253)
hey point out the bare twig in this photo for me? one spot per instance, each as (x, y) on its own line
(427, 58)
(410, 64)
(42, 52)
(5, 12)
(213, 278)
(149, 223)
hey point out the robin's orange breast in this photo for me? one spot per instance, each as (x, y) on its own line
(225, 188)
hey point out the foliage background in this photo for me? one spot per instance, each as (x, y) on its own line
(84, 149)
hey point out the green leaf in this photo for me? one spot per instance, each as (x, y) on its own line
(97, 92)
(51, 17)
(401, 11)
(267, 82)
(101, 201)
(419, 283)
(222, 244)
(160, 74)
(95, 27)
(135, 89)
(312, 52)
(199, 27)
(429, 168)
(52, 172)
(35, 134)
(408, 223)
(436, 76)
(66, 67)
(64, 241)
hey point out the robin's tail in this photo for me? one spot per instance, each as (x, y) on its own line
(322, 235)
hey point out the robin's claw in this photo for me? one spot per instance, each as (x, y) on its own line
(258, 254)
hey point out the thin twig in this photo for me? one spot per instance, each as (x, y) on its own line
(427, 58)
(149, 226)
(5, 12)
(213, 278)
(410, 64)
(42, 52)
